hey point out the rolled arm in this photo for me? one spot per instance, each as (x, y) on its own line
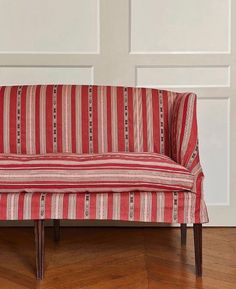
(184, 137)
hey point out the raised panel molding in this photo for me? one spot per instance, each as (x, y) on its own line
(214, 136)
(46, 75)
(185, 26)
(183, 76)
(51, 27)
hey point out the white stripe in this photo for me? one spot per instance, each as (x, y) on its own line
(66, 118)
(138, 124)
(72, 206)
(30, 120)
(27, 206)
(12, 206)
(161, 207)
(101, 206)
(116, 206)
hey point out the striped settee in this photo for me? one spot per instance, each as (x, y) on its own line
(100, 153)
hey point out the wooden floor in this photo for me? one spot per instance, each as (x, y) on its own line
(118, 258)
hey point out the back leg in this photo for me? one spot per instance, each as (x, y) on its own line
(183, 229)
(56, 227)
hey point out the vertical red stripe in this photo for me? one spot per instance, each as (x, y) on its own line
(174, 146)
(198, 197)
(137, 206)
(73, 119)
(180, 207)
(23, 119)
(144, 116)
(13, 129)
(124, 208)
(110, 206)
(21, 206)
(156, 120)
(59, 119)
(168, 207)
(35, 206)
(49, 122)
(80, 203)
(65, 205)
(95, 119)
(109, 130)
(166, 122)
(3, 206)
(182, 129)
(48, 206)
(192, 142)
(154, 207)
(120, 118)
(37, 119)
(84, 101)
(93, 207)
(2, 91)
(131, 119)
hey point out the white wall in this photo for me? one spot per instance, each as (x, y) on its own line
(181, 45)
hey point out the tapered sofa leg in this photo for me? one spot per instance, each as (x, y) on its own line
(183, 228)
(39, 244)
(56, 227)
(197, 230)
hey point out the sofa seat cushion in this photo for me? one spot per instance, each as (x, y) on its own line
(109, 172)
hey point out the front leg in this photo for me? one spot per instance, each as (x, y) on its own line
(39, 244)
(197, 231)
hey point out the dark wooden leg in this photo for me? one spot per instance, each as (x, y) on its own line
(183, 228)
(39, 244)
(56, 225)
(197, 230)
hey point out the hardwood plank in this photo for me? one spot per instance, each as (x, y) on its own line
(120, 258)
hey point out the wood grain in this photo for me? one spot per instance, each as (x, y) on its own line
(118, 258)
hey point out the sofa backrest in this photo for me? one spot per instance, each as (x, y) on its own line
(84, 119)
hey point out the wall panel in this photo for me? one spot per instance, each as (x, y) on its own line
(184, 26)
(53, 26)
(183, 76)
(214, 133)
(46, 75)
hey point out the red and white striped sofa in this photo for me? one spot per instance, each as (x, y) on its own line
(100, 153)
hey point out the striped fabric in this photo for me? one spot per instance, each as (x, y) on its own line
(84, 119)
(168, 207)
(184, 134)
(52, 119)
(110, 172)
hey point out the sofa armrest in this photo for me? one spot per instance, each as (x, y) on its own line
(184, 137)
